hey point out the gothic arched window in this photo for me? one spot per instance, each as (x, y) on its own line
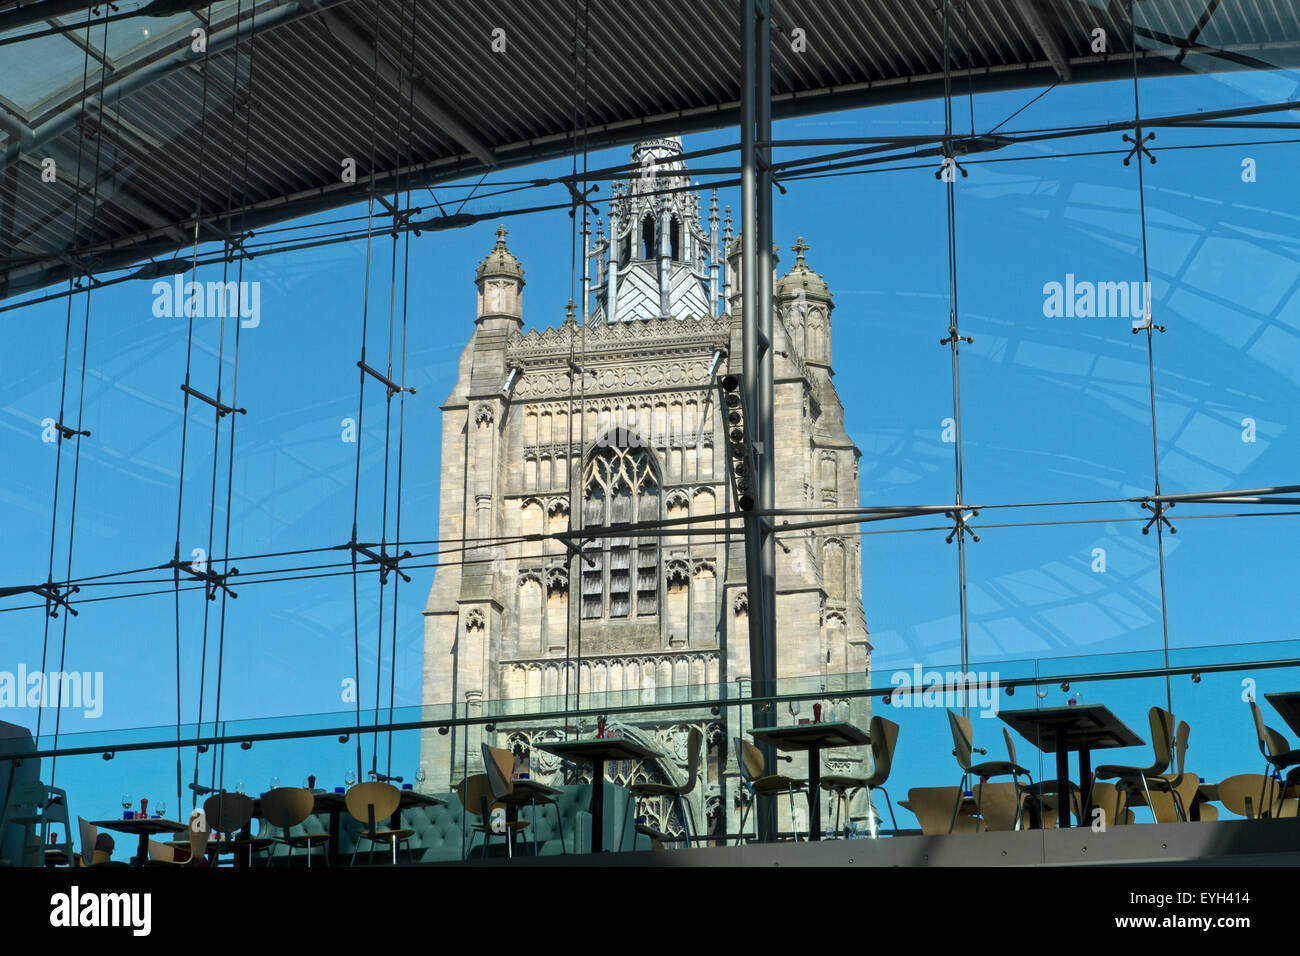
(649, 245)
(620, 487)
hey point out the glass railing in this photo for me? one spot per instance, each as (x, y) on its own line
(433, 747)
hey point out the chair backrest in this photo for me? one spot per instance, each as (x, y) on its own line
(162, 852)
(884, 738)
(1162, 739)
(198, 835)
(1113, 801)
(373, 801)
(1180, 750)
(27, 798)
(1011, 744)
(476, 794)
(932, 807)
(694, 741)
(1271, 743)
(1246, 794)
(750, 759)
(286, 807)
(499, 764)
(89, 833)
(999, 803)
(228, 812)
(963, 738)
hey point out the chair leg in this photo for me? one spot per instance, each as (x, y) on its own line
(559, 825)
(744, 815)
(794, 822)
(393, 841)
(536, 851)
(956, 808)
(1150, 803)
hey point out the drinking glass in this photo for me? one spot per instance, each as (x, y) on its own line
(126, 805)
(275, 782)
(420, 777)
(161, 807)
(350, 777)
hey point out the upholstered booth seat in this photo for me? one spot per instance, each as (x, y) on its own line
(442, 833)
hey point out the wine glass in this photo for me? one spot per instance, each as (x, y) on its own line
(275, 783)
(239, 787)
(420, 777)
(126, 804)
(350, 777)
(161, 807)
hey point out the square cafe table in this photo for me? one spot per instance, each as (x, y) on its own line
(596, 751)
(1287, 704)
(1058, 730)
(813, 738)
(144, 827)
(335, 804)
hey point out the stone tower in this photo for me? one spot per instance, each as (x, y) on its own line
(592, 425)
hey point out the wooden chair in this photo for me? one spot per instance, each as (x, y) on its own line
(499, 765)
(1162, 744)
(1277, 753)
(1240, 794)
(884, 740)
(166, 854)
(1001, 805)
(478, 799)
(1171, 794)
(760, 783)
(638, 791)
(963, 740)
(91, 853)
(285, 808)
(371, 802)
(230, 813)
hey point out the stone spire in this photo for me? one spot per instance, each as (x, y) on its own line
(500, 281)
(660, 256)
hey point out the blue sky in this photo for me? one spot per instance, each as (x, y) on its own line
(1053, 409)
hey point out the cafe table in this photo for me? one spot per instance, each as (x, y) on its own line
(813, 738)
(1080, 727)
(1287, 703)
(143, 827)
(596, 751)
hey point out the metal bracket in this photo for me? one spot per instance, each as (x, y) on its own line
(212, 580)
(393, 387)
(580, 199)
(1158, 514)
(387, 562)
(54, 595)
(960, 525)
(67, 432)
(954, 337)
(1139, 146)
(222, 409)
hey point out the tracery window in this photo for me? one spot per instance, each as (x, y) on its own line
(620, 487)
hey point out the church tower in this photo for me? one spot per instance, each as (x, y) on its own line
(587, 429)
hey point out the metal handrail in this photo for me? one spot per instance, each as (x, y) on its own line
(714, 703)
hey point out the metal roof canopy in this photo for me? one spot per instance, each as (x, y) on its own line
(160, 148)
